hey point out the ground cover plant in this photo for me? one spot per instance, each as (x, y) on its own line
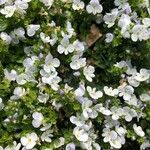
(74, 74)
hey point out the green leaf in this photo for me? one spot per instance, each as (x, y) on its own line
(3, 24)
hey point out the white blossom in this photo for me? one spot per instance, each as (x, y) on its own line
(79, 47)
(43, 98)
(77, 62)
(109, 37)
(70, 146)
(143, 75)
(126, 91)
(51, 63)
(5, 37)
(47, 3)
(120, 2)
(94, 7)
(8, 11)
(93, 93)
(145, 97)
(110, 18)
(1, 104)
(145, 145)
(44, 38)
(78, 4)
(88, 71)
(37, 119)
(60, 142)
(65, 46)
(18, 93)
(15, 146)
(31, 29)
(46, 136)
(80, 134)
(138, 130)
(140, 32)
(29, 141)
(110, 91)
(10, 76)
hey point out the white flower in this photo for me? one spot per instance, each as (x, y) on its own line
(70, 30)
(18, 93)
(110, 18)
(45, 127)
(8, 11)
(88, 71)
(93, 93)
(138, 130)
(110, 91)
(80, 134)
(145, 97)
(103, 110)
(77, 4)
(143, 75)
(124, 23)
(21, 6)
(112, 137)
(67, 88)
(37, 119)
(77, 62)
(17, 34)
(44, 38)
(5, 37)
(15, 146)
(46, 136)
(78, 121)
(116, 112)
(140, 32)
(53, 39)
(48, 78)
(43, 98)
(60, 142)
(126, 91)
(57, 105)
(29, 141)
(31, 29)
(28, 62)
(109, 37)
(120, 130)
(121, 64)
(87, 111)
(47, 3)
(145, 145)
(54, 83)
(116, 143)
(2, 2)
(78, 46)
(1, 104)
(51, 63)
(10, 76)
(94, 7)
(109, 135)
(96, 146)
(132, 81)
(129, 113)
(21, 79)
(146, 22)
(70, 146)
(65, 46)
(120, 2)
(79, 92)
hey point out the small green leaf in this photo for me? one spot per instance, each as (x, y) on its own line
(3, 24)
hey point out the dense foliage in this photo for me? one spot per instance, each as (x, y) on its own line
(74, 74)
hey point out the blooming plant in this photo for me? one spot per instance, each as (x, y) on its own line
(74, 74)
